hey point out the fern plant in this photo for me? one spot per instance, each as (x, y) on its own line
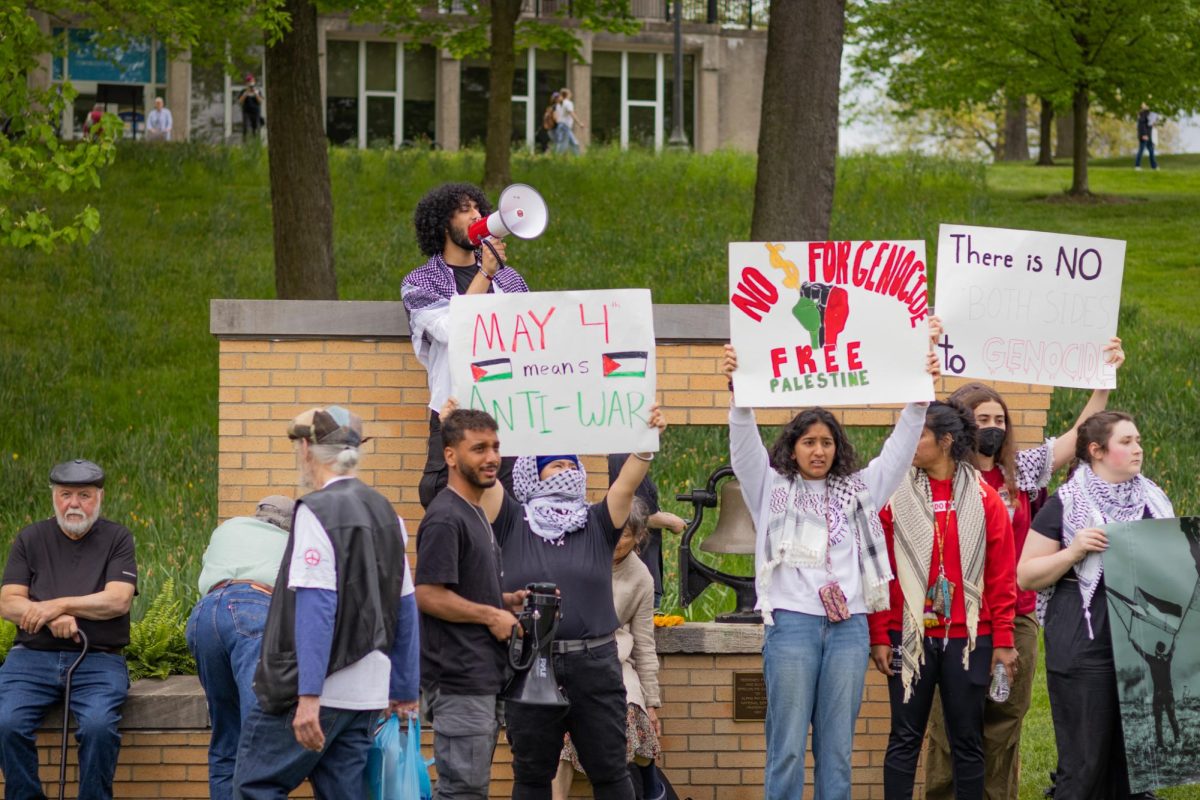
(157, 642)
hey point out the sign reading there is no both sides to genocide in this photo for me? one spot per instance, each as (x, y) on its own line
(829, 323)
(1027, 306)
(562, 372)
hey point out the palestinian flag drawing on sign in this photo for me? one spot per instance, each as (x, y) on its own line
(496, 369)
(629, 364)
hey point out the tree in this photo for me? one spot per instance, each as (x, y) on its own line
(1045, 132)
(1104, 54)
(1016, 135)
(34, 161)
(798, 131)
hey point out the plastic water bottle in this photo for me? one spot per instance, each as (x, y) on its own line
(1000, 688)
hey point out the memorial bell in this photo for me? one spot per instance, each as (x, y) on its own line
(733, 534)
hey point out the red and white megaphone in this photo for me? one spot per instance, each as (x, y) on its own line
(521, 212)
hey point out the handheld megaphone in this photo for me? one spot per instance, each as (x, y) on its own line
(530, 656)
(521, 212)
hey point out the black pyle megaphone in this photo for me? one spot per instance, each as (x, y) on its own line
(529, 655)
(521, 212)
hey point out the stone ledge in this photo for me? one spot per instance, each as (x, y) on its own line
(384, 320)
(717, 638)
(176, 703)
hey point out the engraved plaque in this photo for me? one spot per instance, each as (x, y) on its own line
(749, 697)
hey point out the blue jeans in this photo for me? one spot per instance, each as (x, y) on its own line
(564, 138)
(31, 682)
(814, 671)
(1148, 146)
(224, 633)
(271, 763)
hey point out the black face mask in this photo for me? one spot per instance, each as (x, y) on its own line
(990, 440)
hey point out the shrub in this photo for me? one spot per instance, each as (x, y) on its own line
(8, 632)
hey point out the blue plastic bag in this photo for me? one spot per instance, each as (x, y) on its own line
(416, 769)
(384, 762)
(395, 768)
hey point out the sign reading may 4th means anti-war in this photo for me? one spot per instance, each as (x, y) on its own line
(1028, 307)
(831, 323)
(562, 372)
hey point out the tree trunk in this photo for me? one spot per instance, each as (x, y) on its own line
(798, 129)
(1045, 133)
(1016, 135)
(301, 200)
(1079, 180)
(1066, 135)
(496, 171)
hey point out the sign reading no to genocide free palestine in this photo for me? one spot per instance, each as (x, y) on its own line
(562, 372)
(1027, 306)
(829, 323)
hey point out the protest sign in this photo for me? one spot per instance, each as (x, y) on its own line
(562, 372)
(1152, 579)
(1027, 306)
(828, 323)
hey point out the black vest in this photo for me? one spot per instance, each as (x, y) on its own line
(369, 552)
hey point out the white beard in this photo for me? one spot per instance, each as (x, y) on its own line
(76, 524)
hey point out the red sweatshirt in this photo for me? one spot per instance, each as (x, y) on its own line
(999, 572)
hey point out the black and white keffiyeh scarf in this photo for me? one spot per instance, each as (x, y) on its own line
(1089, 501)
(426, 293)
(553, 507)
(802, 524)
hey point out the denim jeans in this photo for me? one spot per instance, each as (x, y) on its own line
(593, 684)
(1148, 146)
(31, 682)
(565, 139)
(224, 633)
(271, 763)
(814, 671)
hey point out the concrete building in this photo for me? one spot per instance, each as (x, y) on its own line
(378, 92)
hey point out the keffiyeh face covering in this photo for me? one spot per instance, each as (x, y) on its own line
(555, 506)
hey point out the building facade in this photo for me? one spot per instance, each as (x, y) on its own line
(380, 90)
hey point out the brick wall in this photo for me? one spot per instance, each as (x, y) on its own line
(263, 384)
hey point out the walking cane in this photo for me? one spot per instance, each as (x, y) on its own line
(62, 755)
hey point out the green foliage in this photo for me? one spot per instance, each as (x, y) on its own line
(954, 53)
(34, 163)
(157, 642)
(8, 632)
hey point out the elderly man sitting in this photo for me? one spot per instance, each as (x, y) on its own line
(225, 630)
(50, 563)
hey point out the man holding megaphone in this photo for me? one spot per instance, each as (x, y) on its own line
(457, 229)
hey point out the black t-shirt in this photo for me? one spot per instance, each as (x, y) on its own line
(456, 549)
(648, 492)
(463, 277)
(581, 568)
(1068, 646)
(53, 565)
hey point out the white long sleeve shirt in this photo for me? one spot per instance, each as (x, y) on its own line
(795, 589)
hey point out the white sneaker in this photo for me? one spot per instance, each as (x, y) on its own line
(1139, 169)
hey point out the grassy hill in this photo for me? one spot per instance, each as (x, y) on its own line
(105, 351)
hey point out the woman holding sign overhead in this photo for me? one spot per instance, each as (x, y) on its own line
(550, 533)
(1017, 476)
(1063, 555)
(821, 566)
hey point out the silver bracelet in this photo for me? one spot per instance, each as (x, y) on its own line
(641, 457)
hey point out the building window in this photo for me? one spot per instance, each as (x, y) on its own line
(378, 94)
(124, 80)
(631, 98)
(543, 70)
